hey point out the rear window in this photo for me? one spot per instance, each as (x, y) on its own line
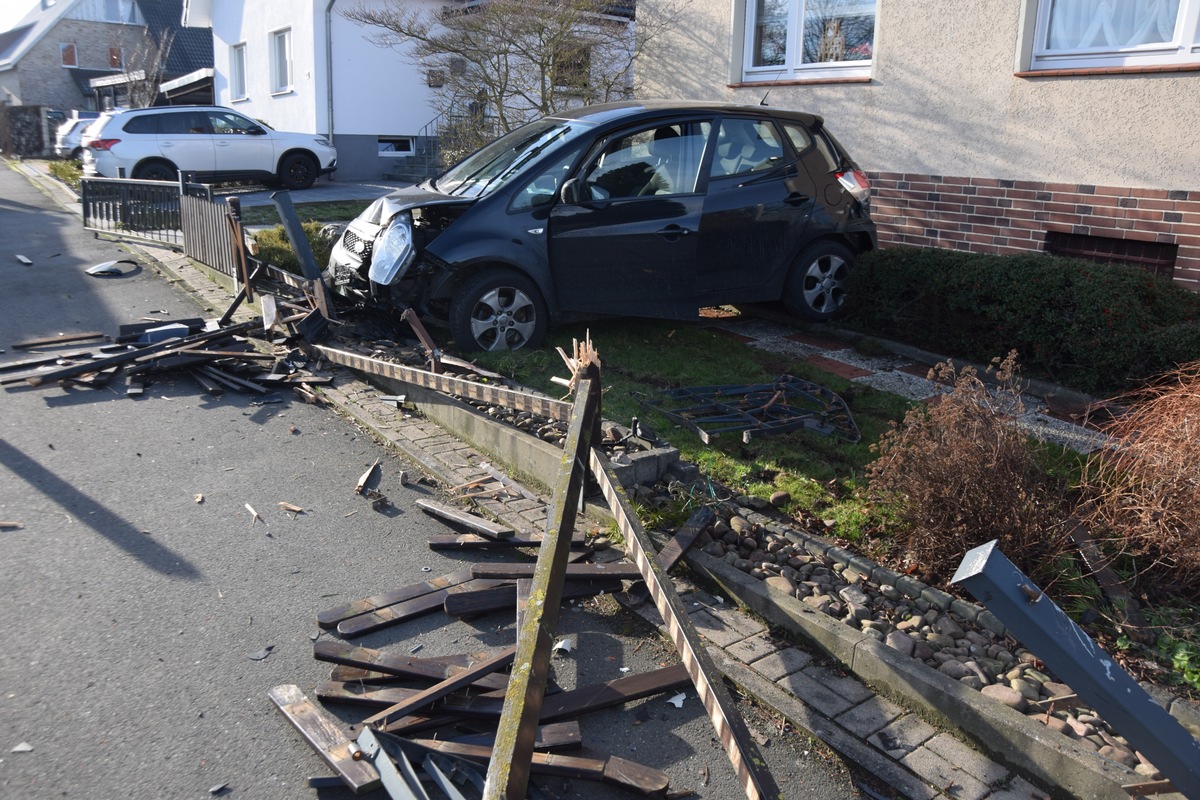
(182, 122)
(146, 123)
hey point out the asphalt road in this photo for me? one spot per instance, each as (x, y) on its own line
(136, 615)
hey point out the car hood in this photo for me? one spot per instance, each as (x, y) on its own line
(386, 207)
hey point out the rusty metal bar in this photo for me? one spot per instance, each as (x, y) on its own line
(748, 763)
(512, 755)
(509, 398)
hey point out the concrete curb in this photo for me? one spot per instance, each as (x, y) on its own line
(1008, 736)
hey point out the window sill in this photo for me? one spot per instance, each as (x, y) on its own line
(1096, 71)
(239, 100)
(282, 92)
(794, 82)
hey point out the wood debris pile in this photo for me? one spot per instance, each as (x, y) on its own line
(218, 358)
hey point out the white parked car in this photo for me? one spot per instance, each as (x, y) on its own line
(68, 139)
(210, 142)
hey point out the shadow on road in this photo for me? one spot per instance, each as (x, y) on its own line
(116, 529)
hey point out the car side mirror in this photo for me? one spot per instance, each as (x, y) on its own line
(257, 130)
(569, 193)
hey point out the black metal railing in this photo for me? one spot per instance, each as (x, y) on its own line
(134, 209)
(206, 233)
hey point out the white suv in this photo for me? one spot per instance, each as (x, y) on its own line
(210, 142)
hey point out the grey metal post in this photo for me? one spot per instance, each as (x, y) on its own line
(1073, 656)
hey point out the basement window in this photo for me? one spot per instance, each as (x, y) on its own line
(393, 146)
(1157, 258)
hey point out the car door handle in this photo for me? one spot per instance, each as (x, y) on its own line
(796, 199)
(673, 232)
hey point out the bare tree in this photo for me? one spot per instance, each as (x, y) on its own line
(500, 63)
(145, 67)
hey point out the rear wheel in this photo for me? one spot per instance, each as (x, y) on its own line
(498, 309)
(297, 171)
(156, 171)
(816, 285)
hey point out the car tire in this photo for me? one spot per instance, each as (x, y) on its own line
(297, 171)
(77, 154)
(156, 171)
(816, 283)
(498, 309)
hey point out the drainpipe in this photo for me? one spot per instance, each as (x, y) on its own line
(329, 65)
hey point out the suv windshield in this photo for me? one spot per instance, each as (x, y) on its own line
(491, 167)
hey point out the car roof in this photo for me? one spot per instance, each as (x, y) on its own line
(631, 110)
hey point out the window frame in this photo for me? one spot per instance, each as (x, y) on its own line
(793, 67)
(237, 72)
(281, 84)
(63, 49)
(1183, 50)
(119, 53)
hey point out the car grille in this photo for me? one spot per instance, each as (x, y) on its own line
(352, 241)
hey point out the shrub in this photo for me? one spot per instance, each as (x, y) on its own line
(1142, 494)
(957, 475)
(1100, 328)
(69, 172)
(274, 247)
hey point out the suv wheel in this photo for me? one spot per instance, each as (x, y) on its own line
(498, 310)
(297, 171)
(816, 284)
(156, 171)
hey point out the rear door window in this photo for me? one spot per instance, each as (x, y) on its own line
(183, 122)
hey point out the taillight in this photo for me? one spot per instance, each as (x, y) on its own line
(102, 144)
(855, 182)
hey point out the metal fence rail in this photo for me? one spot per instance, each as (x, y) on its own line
(206, 236)
(134, 209)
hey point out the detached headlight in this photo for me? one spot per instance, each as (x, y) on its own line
(393, 251)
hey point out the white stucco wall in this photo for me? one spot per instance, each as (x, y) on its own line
(944, 99)
(237, 22)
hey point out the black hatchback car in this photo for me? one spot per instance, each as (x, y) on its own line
(629, 209)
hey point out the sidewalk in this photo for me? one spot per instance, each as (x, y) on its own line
(891, 715)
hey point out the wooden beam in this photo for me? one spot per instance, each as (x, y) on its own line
(331, 617)
(621, 570)
(335, 652)
(326, 736)
(508, 771)
(472, 522)
(399, 612)
(748, 762)
(684, 538)
(474, 604)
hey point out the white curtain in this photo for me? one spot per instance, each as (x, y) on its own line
(1086, 24)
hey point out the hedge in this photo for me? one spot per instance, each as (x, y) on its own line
(1098, 328)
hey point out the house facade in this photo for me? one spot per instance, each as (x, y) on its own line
(85, 54)
(1068, 126)
(299, 65)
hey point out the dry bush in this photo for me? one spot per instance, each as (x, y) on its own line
(1142, 494)
(958, 475)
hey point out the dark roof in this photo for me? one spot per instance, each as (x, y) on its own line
(10, 39)
(192, 48)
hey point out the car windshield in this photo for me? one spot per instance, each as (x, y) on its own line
(491, 167)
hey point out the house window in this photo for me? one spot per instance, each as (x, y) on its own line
(66, 52)
(798, 39)
(237, 72)
(1157, 258)
(281, 61)
(393, 146)
(1082, 34)
(116, 58)
(118, 11)
(572, 66)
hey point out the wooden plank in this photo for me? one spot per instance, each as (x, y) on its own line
(555, 736)
(355, 693)
(50, 341)
(508, 772)
(325, 736)
(336, 652)
(471, 541)
(472, 522)
(436, 692)
(616, 771)
(486, 392)
(743, 753)
(499, 598)
(331, 617)
(621, 570)
(399, 612)
(568, 704)
(684, 538)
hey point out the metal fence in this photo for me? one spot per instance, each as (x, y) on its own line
(136, 209)
(206, 233)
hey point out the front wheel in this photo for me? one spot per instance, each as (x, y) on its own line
(297, 171)
(498, 310)
(816, 284)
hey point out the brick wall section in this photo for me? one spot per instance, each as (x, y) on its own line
(986, 215)
(43, 78)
